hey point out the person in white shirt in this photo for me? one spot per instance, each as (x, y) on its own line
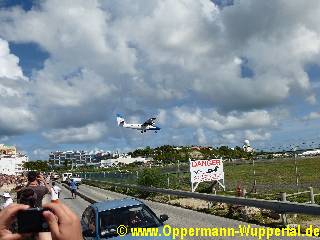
(8, 200)
(55, 192)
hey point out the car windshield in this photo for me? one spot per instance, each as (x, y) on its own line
(131, 217)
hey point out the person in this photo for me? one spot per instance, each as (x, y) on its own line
(73, 187)
(63, 223)
(8, 200)
(34, 181)
(134, 219)
(92, 225)
(27, 197)
(55, 192)
(48, 179)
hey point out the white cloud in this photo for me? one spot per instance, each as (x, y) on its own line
(88, 133)
(213, 120)
(312, 99)
(41, 153)
(16, 120)
(312, 116)
(80, 88)
(162, 116)
(9, 67)
(165, 60)
(181, 59)
(257, 135)
(201, 137)
(16, 116)
(229, 137)
(73, 34)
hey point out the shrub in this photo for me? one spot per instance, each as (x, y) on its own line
(151, 178)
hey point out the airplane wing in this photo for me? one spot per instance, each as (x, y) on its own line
(149, 122)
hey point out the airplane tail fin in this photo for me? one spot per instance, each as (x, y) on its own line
(120, 120)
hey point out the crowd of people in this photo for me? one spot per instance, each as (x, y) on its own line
(7, 180)
(30, 192)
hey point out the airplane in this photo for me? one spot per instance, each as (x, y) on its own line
(148, 125)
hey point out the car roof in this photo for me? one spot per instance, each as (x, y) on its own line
(116, 203)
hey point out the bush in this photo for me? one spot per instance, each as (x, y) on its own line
(151, 178)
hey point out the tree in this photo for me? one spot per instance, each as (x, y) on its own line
(39, 165)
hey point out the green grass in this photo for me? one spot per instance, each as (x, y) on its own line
(276, 176)
(271, 177)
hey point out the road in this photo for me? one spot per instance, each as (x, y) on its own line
(178, 217)
(77, 205)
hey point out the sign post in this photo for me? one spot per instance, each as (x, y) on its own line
(206, 171)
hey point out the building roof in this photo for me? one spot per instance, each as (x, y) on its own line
(117, 203)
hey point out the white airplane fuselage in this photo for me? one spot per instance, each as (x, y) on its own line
(139, 126)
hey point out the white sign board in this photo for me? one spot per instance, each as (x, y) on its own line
(206, 171)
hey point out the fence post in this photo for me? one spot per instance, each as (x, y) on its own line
(296, 170)
(311, 195)
(284, 216)
(178, 172)
(254, 188)
(168, 185)
(244, 192)
(283, 196)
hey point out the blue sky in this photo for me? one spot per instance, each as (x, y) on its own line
(212, 72)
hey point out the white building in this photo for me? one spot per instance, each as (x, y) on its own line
(12, 164)
(122, 160)
(246, 147)
(78, 158)
(314, 152)
(278, 155)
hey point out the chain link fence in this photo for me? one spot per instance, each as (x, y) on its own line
(262, 176)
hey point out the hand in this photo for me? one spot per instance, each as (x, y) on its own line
(7, 216)
(63, 223)
(40, 177)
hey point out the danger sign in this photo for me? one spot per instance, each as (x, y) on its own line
(206, 170)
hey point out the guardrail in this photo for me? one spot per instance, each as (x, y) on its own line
(281, 207)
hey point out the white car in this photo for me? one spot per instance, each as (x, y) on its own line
(55, 176)
(66, 176)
